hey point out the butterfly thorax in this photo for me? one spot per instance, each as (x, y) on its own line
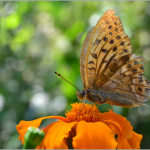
(91, 95)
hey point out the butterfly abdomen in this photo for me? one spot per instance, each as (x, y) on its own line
(124, 99)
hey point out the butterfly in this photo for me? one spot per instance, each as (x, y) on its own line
(110, 72)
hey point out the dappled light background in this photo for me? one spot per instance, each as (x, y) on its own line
(39, 38)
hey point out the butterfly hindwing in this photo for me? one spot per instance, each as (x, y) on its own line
(129, 81)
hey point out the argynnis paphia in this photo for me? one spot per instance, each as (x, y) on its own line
(110, 72)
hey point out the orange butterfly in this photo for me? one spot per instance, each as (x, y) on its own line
(110, 72)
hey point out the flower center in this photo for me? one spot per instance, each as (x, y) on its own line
(86, 112)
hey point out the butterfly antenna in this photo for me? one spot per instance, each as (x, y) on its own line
(66, 80)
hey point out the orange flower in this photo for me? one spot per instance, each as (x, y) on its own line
(89, 130)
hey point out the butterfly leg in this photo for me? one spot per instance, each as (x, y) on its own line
(112, 107)
(103, 100)
(110, 104)
(79, 100)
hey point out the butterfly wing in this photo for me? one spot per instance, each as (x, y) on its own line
(126, 86)
(129, 81)
(107, 63)
(83, 56)
(118, 71)
(91, 49)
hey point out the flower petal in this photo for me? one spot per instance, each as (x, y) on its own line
(55, 137)
(135, 140)
(125, 125)
(23, 126)
(94, 136)
(123, 143)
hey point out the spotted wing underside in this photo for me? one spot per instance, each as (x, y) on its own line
(107, 61)
(101, 45)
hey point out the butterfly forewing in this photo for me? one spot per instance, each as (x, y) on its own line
(83, 56)
(91, 57)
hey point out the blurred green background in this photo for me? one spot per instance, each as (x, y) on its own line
(39, 38)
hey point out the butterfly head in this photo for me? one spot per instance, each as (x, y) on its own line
(81, 94)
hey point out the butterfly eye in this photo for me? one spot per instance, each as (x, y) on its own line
(88, 90)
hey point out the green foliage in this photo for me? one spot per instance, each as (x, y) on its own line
(39, 38)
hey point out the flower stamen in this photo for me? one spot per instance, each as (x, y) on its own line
(86, 112)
